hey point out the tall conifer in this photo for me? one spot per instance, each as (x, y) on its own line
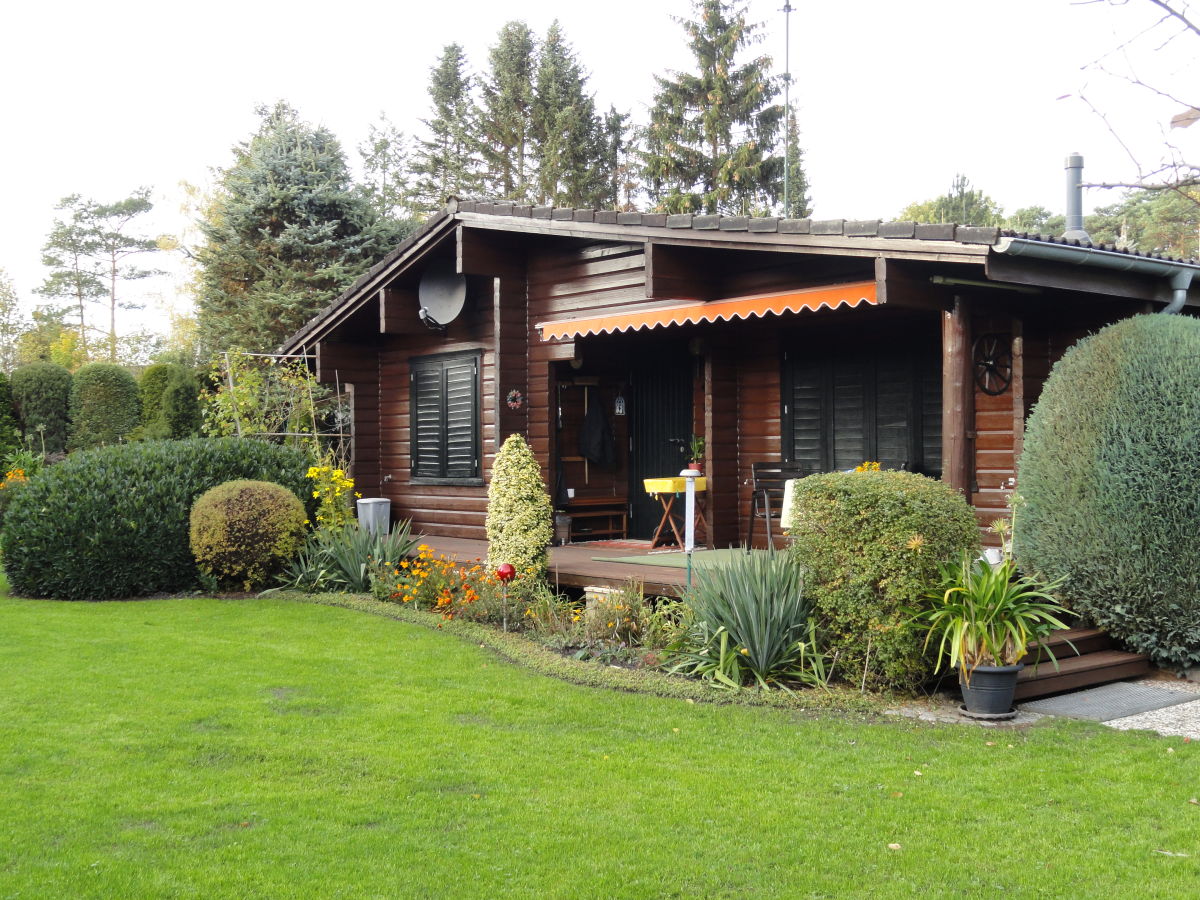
(712, 138)
(446, 163)
(505, 121)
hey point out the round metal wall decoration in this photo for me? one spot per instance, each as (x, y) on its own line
(992, 356)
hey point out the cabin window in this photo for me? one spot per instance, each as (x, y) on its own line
(445, 418)
(871, 403)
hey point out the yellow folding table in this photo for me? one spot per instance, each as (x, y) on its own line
(666, 490)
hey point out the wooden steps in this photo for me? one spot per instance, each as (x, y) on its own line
(1086, 658)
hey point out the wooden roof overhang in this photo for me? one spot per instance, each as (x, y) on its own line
(682, 251)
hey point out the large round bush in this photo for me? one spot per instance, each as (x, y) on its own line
(104, 405)
(244, 531)
(41, 393)
(1110, 484)
(113, 522)
(871, 544)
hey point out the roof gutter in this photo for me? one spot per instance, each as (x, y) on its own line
(1178, 274)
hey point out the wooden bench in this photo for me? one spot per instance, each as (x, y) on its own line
(766, 499)
(596, 517)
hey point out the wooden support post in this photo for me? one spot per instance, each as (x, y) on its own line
(957, 418)
(510, 335)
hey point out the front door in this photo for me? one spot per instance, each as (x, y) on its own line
(660, 427)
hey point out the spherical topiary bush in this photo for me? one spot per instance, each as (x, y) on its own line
(41, 394)
(244, 531)
(519, 527)
(113, 522)
(1110, 484)
(871, 544)
(104, 405)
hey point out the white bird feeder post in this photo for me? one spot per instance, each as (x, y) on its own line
(689, 518)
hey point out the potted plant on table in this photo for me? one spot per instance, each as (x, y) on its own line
(984, 618)
(696, 453)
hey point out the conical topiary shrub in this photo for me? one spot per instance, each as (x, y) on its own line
(1110, 484)
(519, 512)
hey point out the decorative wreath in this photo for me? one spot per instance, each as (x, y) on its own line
(515, 399)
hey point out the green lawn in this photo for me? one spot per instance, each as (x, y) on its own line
(269, 748)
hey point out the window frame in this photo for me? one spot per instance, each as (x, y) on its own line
(442, 362)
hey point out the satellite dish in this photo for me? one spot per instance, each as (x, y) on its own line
(442, 293)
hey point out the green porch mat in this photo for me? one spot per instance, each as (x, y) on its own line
(677, 560)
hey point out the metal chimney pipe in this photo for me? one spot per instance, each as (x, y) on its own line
(1075, 230)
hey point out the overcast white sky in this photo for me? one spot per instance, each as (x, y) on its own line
(893, 98)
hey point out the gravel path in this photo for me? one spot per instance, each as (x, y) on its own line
(1181, 720)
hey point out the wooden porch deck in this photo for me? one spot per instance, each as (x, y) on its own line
(572, 565)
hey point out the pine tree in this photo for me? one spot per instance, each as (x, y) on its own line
(446, 163)
(711, 140)
(284, 234)
(505, 126)
(90, 255)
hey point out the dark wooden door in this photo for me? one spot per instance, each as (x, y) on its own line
(660, 427)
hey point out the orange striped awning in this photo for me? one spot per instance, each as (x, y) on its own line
(759, 305)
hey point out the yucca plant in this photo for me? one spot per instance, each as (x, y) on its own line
(751, 624)
(344, 558)
(982, 614)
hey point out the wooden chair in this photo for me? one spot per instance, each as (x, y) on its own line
(768, 480)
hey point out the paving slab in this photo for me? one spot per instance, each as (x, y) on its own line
(1109, 702)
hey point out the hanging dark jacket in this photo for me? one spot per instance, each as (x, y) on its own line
(596, 443)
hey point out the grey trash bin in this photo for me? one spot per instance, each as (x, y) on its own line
(374, 514)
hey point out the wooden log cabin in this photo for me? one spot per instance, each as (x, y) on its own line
(610, 339)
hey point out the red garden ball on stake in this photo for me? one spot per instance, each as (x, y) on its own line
(505, 572)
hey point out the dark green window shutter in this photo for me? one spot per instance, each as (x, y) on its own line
(841, 408)
(445, 416)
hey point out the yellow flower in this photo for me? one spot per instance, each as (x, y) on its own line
(744, 652)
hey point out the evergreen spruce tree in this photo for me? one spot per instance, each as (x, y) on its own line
(284, 235)
(446, 163)
(387, 174)
(570, 142)
(799, 203)
(618, 167)
(506, 126)
(710, 146)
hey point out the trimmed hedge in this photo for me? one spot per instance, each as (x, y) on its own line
(871, 544)
(170, 403)
(42, 395)
(242, 532)
(10, 432)
(104, 405)
(113, 522)
(1110, 484)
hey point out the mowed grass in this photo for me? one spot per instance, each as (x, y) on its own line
(270, 748)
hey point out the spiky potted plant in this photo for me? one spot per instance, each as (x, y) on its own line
(984, 618)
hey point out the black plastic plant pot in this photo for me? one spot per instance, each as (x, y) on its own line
(991, 690)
